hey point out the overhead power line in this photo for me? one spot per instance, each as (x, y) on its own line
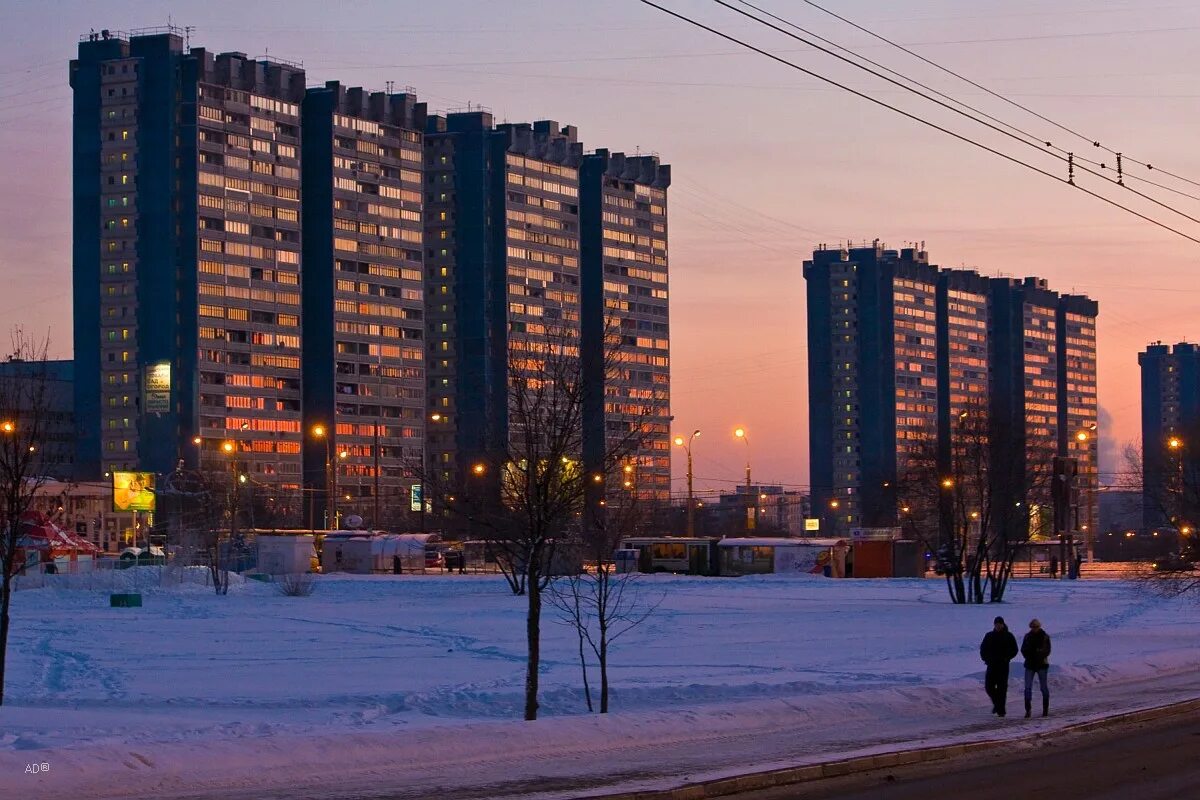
(997, 95)
(915, 118)
(1022, 136)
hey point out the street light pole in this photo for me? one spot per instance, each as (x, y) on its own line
(691, 505)
(752, 504)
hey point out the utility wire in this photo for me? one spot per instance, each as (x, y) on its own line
(997, 95)
(1038, 139)
(1069, 158)
(915, 118)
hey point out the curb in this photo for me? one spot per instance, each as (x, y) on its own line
(755, 781)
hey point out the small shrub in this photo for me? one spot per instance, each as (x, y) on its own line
(300, 584)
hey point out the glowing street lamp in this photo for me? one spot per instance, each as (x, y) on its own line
(752, 509)
(1174, 442)
(691, 511)
(479, 469)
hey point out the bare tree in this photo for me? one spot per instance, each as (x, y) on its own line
(600, 603)
(23, 452)
(203, 509)
(988, 499)
(526, 493)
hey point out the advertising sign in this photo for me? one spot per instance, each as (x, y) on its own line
(812, 524)
(157, 390)
(133, 491)
(415, 500)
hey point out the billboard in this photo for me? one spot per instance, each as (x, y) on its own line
(133, 491)
(812, 525)
(415, 498)
(157, 388)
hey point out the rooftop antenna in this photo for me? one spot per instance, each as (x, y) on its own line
(390, 85)
(187, 36)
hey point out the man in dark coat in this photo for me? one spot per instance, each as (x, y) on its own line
(998, 648)
(1036, 649)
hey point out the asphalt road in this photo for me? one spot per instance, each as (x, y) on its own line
(1150, 761)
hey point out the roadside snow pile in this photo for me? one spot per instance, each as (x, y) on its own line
(144, 579)
(422, 677)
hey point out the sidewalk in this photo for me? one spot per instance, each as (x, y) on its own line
(582, 757)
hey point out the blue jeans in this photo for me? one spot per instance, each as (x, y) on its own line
(1041, 676)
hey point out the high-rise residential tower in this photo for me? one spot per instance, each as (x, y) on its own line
(872, 365)
(625, 319)
(1170, 419)
(186, 257)
(900, 353)
(1078, 405)
(502, 261)
(364, 304)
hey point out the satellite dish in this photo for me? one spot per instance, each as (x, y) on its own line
(354, 521)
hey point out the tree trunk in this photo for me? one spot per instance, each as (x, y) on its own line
(5, 596)
(533, 621)
(603, 665)
(587, 689)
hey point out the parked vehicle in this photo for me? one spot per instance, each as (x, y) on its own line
(434, 558)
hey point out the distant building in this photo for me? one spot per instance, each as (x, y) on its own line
(530, 243)
(57, 413)
(776, 511)
(186, 257)
(502, 243)
(899, 350)
(623, 245)
(1044, 386)
(363, 300)
(1170, 409)
(872, 370)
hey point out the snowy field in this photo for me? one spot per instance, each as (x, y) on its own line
(412, 686)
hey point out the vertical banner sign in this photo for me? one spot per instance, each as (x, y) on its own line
(415, 501)
(157, 391)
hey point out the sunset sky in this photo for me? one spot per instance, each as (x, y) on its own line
(767, 162)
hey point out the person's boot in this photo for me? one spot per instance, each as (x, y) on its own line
(1028, 709)
(1046, 707)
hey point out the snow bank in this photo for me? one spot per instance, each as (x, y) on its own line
(419, 679)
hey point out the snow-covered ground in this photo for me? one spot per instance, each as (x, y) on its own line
(413, 685)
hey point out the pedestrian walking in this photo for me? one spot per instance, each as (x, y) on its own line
(1036, 649)
(998, 648)
(1053, 566)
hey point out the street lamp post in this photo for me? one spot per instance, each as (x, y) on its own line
(686, 444)
(320, 432)
(752, 506)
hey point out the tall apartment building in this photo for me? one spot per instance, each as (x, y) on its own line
(898, 351)
(625, 317)
(872, 369)
(502, 264)
(1078, 404)
(256, 262)
(1170, 409)
(186, 257)
(364, 304)
(1044, 347)
(1025, 374)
